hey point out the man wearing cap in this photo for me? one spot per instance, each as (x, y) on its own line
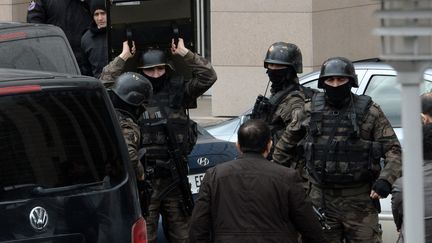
(94, 41)
(167, 132)
(344, 136)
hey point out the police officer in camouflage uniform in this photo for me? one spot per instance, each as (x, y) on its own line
(344, 136)
(172, 96)
(283, 62)
(128, 95)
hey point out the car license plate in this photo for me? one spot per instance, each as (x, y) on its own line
(195, 181)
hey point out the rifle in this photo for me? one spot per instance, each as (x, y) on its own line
(145, 187)
(179, 171)
(321, 218)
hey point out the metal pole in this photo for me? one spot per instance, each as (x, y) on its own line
(413, 204)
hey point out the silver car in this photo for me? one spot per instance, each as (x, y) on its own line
(377, 80)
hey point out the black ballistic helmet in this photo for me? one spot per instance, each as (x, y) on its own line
(153, 57)
(133, 88)
(284, 54)
(337, 67)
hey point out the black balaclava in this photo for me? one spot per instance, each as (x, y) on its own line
(338, 96)
(157, 83)
(280, 78)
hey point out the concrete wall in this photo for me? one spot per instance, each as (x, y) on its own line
(242, 31)
(13, 10)
(344, 28)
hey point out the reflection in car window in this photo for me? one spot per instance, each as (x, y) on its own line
(312, 84)
(57, 138)
(386, 92)
(43, 53)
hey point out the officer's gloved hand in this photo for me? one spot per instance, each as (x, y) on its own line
(382, 187)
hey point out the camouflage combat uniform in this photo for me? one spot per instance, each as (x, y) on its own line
(132, 135)
(342, 149)
(283, 109)
(171, 102)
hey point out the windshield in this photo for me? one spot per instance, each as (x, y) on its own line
(56, 139)
(42, 54)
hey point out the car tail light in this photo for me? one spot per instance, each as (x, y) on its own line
(12, 36)
(20, 89)
(139, 231)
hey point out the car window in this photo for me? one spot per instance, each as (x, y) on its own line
(386, 92)
(42, 53)
(312, 84)
(56, 139)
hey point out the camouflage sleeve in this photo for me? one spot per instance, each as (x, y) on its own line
(36, 12)
(204, 76)
(382, 131)
(132, 136)
(290, 108)
(112, 71)
(286, 152)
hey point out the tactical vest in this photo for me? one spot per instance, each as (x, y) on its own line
(167, 110)
(334, 151)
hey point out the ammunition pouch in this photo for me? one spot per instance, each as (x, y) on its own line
(155, 138)
(343, 162)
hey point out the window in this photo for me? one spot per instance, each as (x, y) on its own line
(43, 53)
(386, 92)
(56, 139)
(202, 11)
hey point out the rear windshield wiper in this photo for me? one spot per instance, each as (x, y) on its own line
(19, 187)
(39, 190)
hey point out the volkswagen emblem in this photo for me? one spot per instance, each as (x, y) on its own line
(203, 161)
(38, 218)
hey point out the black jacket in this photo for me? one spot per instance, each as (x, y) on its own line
(72, 16)
(397, 204)
(251, 199)
(95, 50)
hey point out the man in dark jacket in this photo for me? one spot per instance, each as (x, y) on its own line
(251, 199)
(94, 41)
(396, 200)
(426, 114)
(72, 16)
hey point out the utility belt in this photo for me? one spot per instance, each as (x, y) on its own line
(342, 192)
(160, 167)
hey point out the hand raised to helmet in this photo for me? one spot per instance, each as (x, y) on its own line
(180, 49)
(127, 52)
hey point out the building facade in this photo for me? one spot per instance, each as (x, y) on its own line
(241, 31)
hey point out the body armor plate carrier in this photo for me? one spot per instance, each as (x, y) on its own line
(171, 104)
(334, 151)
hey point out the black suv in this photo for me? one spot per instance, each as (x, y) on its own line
(39, 47)
(64, 170)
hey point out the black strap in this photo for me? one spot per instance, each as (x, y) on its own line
(277, 98)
